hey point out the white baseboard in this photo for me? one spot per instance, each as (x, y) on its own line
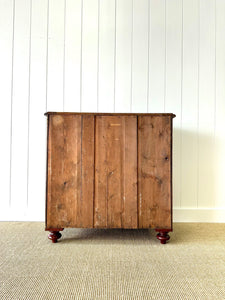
(21, 216)
(208, 215)
(204, 215)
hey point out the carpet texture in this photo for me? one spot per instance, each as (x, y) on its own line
(112, 264)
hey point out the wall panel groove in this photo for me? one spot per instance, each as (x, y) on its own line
(81, 53)
(11, 100)
(20, 105)
(46, 59)
(114, 83)
(64, 54)
(37, 134)
(28, 123)
(173, 84)
(7, 20)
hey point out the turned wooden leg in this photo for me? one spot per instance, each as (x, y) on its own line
(54, 234)
(163, 235)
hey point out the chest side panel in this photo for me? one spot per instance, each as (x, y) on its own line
(70, 171)
(154, 171)
(116, 172)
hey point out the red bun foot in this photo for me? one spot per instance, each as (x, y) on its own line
(54, 234)
(163, 235)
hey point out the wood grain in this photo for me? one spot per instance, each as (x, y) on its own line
(70, 162)
(109, 171)
(130, 219)
(154, 172)
(115, 172)
(87, 177)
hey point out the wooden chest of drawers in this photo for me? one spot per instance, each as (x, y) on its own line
(109, 171)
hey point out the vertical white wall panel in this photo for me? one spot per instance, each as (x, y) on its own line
(55, 55)
(123, 69)
(89, 56)
(139, 82)
(106, 55)
(219, 175)
(173, 84)
(189, 109)
(37, 121)
(72, 57)
(6, 46)
(20, 104)
(206, 103)
(157, 55)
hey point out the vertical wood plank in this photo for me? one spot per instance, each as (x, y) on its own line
(6, 61)
(72, 55)
(116, 174)
(123, 56)
(154, 172)
(20, 104)
(140, 56)
(173, 92)
(37, 122)
(114, 184)
(70, 171)
(157, 56)
(55, 56)
(106, 56)
(206, 103)
(189, 109)
(100, 204)
(89, 55)
(219, 174)
(129, 217)
(64, 171)
(87, 178)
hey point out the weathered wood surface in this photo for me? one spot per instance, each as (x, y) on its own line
(116, 172)
(109, 171)
(87, 171)
(154, 172)
(70, 171)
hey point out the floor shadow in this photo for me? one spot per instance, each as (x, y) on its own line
(118, 236)
(183, 233)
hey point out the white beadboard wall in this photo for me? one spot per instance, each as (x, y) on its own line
(114, 56)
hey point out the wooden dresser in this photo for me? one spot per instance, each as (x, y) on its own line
(109, 170)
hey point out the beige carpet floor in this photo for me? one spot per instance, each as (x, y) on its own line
(112, 264)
